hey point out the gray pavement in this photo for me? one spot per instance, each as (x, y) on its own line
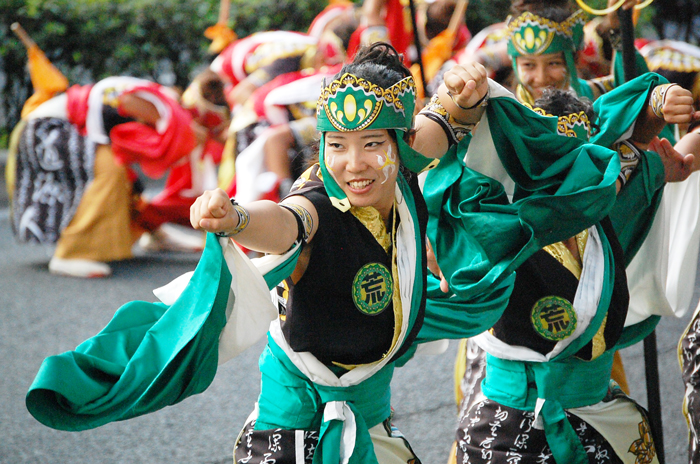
(42, 315)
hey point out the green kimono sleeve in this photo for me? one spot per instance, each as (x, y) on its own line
(637, 204)
(480, 235)
(639, 199)
(149, 356)
(619, 109)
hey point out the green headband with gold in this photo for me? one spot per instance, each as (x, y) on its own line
(351, 103)
(570, 125)
(530, 34)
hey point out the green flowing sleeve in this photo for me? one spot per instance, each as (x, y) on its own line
(618, 109)
(481, 235)
(637, 203)
(149, 356)
(639, 199)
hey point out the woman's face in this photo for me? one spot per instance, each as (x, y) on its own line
(537, 72)
(365, 165)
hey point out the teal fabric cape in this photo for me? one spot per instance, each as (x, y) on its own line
(149, 356)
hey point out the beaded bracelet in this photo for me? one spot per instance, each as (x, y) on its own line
(658, 98)
(243, 220)
(454, 130)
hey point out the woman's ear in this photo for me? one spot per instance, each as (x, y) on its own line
(411, 137)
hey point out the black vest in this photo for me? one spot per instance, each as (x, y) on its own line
(341, 310)
(542, 276)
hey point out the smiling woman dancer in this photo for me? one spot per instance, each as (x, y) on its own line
(368, 266)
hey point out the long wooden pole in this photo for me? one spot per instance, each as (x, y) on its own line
(416, 41)
(22, 35)
(224, 9)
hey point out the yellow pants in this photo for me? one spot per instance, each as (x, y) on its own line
(101, 229)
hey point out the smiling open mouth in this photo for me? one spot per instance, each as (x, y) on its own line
(360, 184)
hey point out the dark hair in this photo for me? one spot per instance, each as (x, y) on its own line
(345, 29)
(562, 102)
(556, 10)
(212, 87)
(379, 63)
(438, 16)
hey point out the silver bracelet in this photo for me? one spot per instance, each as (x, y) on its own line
(243, 220)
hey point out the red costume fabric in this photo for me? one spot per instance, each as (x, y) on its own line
(153, 150)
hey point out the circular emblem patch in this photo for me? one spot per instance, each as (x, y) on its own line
(553, 318)
(372, 288)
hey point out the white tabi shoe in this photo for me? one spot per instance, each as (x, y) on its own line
(83, 268)
(169, 238)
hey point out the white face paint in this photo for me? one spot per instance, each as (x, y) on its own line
(387, 164)
(329, 158)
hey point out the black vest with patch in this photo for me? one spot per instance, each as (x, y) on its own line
(541, 277)
(341, 310)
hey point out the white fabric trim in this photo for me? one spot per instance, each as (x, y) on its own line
(590, 287)
(661, 275)
(481, 155)
(538, 423)
(164, 112)
(55, 107)
(94, 123)
(249, 309)
(299, 447)
(585, 305)
(169, 293)
(339, 410)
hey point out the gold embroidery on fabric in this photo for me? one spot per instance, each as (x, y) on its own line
(372, 220)
(390, 96)
(673, 60)
(598, 341)
(530, 40)
(565, 257)
(658, 95)
(643, 448)
(605, 83)
(563, 28)
(567, 122)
